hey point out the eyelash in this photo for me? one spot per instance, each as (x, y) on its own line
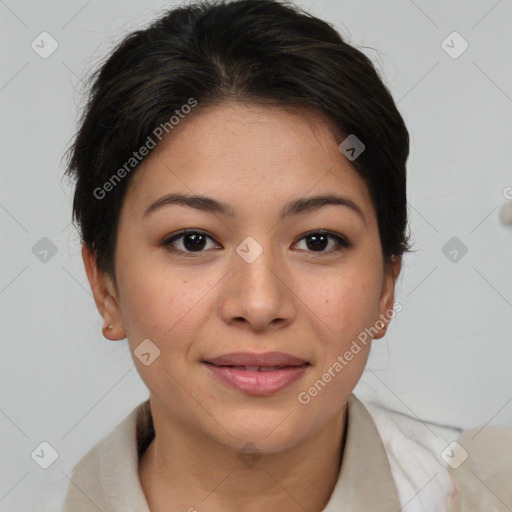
(342, 242)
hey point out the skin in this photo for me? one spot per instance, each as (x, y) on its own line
(292, 298)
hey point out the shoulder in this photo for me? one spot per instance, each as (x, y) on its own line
(445, 468)
(107, 474)
(414, 448)
(482, 471)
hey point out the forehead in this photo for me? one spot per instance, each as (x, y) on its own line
(250, 155)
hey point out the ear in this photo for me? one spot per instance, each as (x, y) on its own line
(387, 297)
(105, 297)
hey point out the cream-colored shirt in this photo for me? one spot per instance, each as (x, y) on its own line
(391, 462)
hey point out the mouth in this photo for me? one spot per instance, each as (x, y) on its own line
(259, 375)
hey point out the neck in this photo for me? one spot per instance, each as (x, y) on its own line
(184, 468)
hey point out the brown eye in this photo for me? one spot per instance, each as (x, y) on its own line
(190, 241)
(318, 241)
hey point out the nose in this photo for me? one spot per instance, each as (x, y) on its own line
(258, 292)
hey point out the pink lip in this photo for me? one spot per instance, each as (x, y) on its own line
(258, 382)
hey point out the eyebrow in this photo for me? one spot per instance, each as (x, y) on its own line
(295, 207)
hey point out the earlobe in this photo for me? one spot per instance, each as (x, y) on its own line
(104, 297)
(110, 333)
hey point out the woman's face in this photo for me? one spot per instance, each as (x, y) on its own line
(255, 281)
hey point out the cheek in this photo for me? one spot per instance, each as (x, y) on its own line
(159, 301)
(345, 307)
(342, 312)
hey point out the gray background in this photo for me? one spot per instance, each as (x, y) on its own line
(447, 356)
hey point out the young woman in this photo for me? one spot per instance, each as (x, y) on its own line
(241, 198)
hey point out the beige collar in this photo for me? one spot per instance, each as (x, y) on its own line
(365, 481)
